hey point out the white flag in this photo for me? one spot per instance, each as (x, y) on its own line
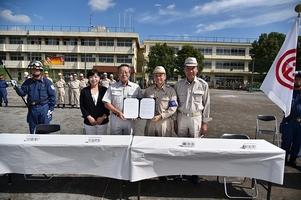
(278, 84)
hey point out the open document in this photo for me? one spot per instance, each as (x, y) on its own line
(143, 108)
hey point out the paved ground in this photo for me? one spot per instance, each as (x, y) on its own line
(232, 112)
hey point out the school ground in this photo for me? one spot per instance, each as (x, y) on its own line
(233, 111)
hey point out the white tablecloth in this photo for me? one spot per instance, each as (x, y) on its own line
(105, 155)
(154, 156)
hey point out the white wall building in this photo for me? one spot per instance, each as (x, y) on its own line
(81, 48)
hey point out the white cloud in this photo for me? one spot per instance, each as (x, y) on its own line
(222, 6)
(258, 20)
(172, 6)
(38, 16)
(101, 5)
(157, 5)
(223, 14)
(129, 10)
(9, 16)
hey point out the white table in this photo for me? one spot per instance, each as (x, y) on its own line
(104, 155)
(154, 156)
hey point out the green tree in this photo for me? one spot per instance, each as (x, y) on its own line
(185, 52)
(265, 50)
(161, 55)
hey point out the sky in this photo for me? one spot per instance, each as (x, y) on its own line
(205, 18)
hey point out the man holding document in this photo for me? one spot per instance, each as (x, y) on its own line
(114, 99)
(166, 105)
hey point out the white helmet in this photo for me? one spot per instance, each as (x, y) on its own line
(35, 65)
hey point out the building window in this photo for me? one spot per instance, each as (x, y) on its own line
(52, 41)
(206, 78)
(16, 56)
(70, 41)
(205, 50)
(208, 65)
(2, 56)
(229, 81)
(230, 65)
(151, 48)
(230, 51)
(2, 40)
(88, 58)
(106, 42)
(70, 57)
(33, 41)
(124, 43)
(88, 42)
(124, 59)
(14, 40)
(34, 56)
(106, 58)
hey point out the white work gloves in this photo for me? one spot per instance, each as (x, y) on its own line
(13, 83)
(49, 113)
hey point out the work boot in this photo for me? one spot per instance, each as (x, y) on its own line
(196, 180)
(177, 178)
(293, 163)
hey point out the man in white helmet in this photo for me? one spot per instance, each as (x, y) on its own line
(60, 90)
(105, 82)
(166, 105)
(26, 76)
(40, 96)
(82, 81)
(112, 80)
(47, 76)
(194, 105)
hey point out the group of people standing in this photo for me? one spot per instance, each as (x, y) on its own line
(75, 86)
(187, 105)
(184, 108)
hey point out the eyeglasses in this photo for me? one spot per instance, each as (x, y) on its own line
(123, 72)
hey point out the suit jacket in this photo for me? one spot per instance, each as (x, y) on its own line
(88, 107)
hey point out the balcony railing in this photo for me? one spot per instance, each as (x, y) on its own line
(67, 28)
(200, 39)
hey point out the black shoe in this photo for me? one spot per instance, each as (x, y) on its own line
(0, 104)
(162, 178)
(195, 179)
(72, 106)
(58, 105)
(294, 164)
(63, 105)
(5, 104)
(177, 178)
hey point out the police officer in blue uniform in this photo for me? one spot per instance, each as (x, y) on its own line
(40, 96)
(290, 127)
(3, 91)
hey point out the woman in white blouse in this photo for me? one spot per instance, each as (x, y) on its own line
(93, 110)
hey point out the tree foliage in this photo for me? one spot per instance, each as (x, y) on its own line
(266, 48)
(185, 52)
(161, 55)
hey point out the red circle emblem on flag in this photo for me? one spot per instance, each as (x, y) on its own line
(284, 68)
